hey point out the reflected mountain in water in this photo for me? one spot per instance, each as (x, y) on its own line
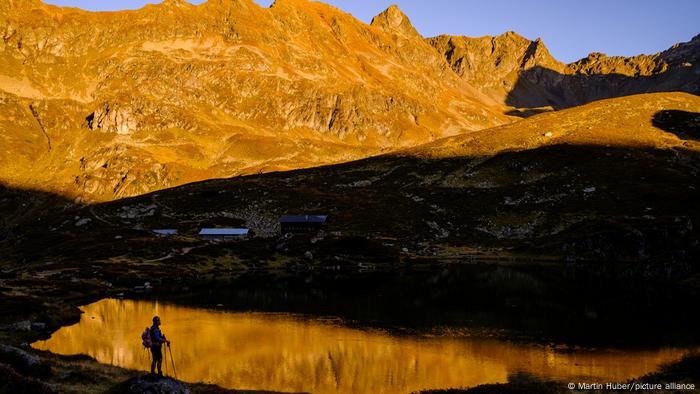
(291, 353)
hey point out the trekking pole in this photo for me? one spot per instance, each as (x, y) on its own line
(172, 361)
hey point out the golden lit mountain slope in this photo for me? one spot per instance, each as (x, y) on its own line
(634, 122)
(134, 101)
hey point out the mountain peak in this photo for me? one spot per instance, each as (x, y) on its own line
(22, 4)
(393, 20)
(175, 3)
(512, 35)
(228, 3)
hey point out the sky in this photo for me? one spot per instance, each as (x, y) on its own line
(571, 29)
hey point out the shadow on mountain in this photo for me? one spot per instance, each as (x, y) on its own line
(527, 112)
(684, 124)
(540, 87)
(580, 202)
(577, 202)
(22, 206)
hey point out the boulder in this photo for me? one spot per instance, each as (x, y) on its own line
(23, 362)
(24, 325)
(149, 384)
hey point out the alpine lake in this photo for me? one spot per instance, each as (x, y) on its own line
(384, 333)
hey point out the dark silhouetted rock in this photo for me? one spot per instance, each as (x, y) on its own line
(149, 384)
(24, 325)
(23, 362)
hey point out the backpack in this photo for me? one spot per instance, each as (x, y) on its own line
(146, 337)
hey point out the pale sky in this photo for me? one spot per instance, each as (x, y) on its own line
(570, 28)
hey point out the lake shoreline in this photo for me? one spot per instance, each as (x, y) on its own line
(59, 307)
(359, 358)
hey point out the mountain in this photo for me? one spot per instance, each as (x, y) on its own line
(522, 73)
(106, 105)
(97, 106)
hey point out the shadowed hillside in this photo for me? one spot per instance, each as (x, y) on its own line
(597, 182)
(686, 125)
(540, 87)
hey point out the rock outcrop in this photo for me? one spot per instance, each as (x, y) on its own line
(23, 362)
(151, 385)
(112, 118)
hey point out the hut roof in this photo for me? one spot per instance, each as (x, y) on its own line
(303, 219)
(224, 231)
(166, 231)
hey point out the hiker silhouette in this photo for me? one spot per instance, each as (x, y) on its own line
(154, 339)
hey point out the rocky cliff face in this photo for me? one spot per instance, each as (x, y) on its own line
(522, 73)
(220, 89)
(495, 64)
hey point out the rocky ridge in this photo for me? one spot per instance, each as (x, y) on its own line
(523, 74)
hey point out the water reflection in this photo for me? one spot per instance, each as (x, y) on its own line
(286, 353)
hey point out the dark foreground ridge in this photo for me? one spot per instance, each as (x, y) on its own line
(151, 384)
(559, 202)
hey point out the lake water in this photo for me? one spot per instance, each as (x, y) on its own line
(294, 353)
